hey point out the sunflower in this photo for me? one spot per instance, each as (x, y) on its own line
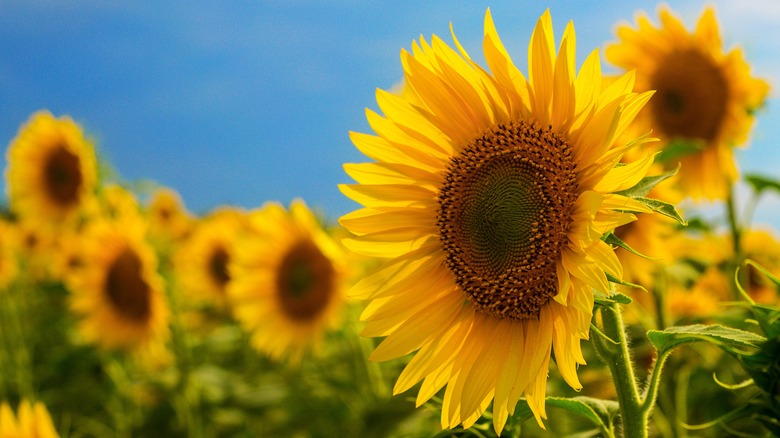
(51, 171)
(32, 421)
(168, 219)
(705, 98)
(118, 202)
(286, 281)
(9, 267)
(36, 245)
(488, 198)
(117, 291)
(202, 260)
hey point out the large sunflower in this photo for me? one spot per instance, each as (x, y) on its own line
(31, 421)
(286, 281)
(705, 98)
(117, 291)
(51, 171)
(488, 196)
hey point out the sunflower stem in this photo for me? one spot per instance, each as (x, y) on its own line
(651, 394)
(618, 359)
(736, 239)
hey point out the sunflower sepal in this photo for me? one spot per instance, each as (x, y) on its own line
(664, 208)
(613, 294)
(613, 239)
(677, 149)
(614, 297)
(648, 183)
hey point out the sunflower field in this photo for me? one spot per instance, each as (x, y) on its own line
(530, 258)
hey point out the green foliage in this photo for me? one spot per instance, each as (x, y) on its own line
(672, 337)
(677, 149)
(761, 183)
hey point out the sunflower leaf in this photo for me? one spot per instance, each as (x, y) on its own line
(761, 183)
(646, 184)
(669, 338)
(678, 149)
(613, 239)
(664, 208)
(600, 412)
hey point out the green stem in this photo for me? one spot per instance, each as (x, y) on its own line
(659, 292)
(618, 358)
(736, 235)
(186, 401)
(736, 239)
(652, 388)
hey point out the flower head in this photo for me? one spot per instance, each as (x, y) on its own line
(286, 282)
(705, 97)
(117, 292)
(488, 197)
(52, 172)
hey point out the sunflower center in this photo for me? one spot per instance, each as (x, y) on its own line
(126, 288)
(62, 175)
(504, 212)
(692, 96)
(305, 281)
(218, 266)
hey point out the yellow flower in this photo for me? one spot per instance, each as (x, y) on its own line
(9, 266)
(118, 202)
(287, 281)
(488, 197)
(168, 220)
(51, 173)
(202, 259)
(117, 292)
(704, 97)
(35, 245)
(31, 421)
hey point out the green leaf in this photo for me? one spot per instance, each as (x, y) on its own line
(643, 187)
(599, 412)
(672, 337)
(663, 208)
(761, 183)
(612, 239)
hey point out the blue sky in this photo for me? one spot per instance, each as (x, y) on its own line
(243, 102)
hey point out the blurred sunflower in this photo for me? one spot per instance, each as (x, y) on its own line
(9, 266)
(286, 283)
(705, 98)
(489, 196)
(118, 202)
(202, 260)
(31, 421)
(35, 246)
(52, 172)
(168, 220)
(117, 292)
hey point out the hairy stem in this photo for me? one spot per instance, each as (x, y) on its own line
(618, 358)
